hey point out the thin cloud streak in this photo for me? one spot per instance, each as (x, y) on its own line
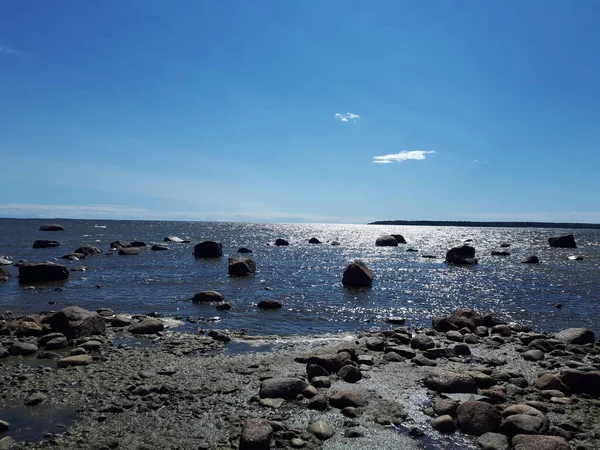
(402, 156)
(11, 51)
(345, 117)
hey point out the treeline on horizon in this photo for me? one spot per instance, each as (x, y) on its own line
(459, 223)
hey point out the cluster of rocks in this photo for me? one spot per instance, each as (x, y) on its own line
(217, 299)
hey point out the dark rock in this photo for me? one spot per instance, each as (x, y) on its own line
(42, 243)
(224, 306)
(25, 328)
(120, 321)
(318, 402)
(43, 340)
(244, 250)
(119, 244)
(331, 363)
(493, 441)
(314, 240)
(357, 274)
(87, 250)
(445, 406)
(52, 227)
(443, 325)
(421, 360)
(159, 247)
(454, 336)
(524, 424)
(208, 249)
(241, 267)
(335, 243)
(567, 241)
(321, 382)
(35, 399)
(75, 322)
(502, 330)
(350, 374)
(315, 370)
(536, 442)
(219, 336)
(343, 399)
(270, 304)
(531, 260)
(256, 435)
(281, 242)
(386, 241)
(450, 382)
(504, 245)
(444, 424)
(422, 342)
(287, 388)
(578, 336)
(42, 272)
(56, 343)
(497, 253)
(405, 352)
(129, 251)
(146, 326)
(19, 348)
(208, 297)
(477, 418)
(533, 355)
(580, 382)
(399, 238)
(461, 255)
(4, 274)
(138, 244)
(375, 344)
(466, 317)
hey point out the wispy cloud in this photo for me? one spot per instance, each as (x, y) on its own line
(345, 117)
(402, 156)
(5, 50)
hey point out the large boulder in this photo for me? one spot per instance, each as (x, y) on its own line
(467, 317)
(146, 326)
(450, 382)
(399, 238)
(578, 336)
(52, 227)
(464, 255)
(567, 241)
(524, 424)
(208, 249)
(241, 267)
(287, 388)
(256, 435)
(88, 250)
(581, 382)
(357, 274)
(208, 297)
(344, 399)
(477, 418)
(386, 241)
(75, 322)
(44, 243)
(42, 272)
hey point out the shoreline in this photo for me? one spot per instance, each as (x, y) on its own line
(180, 391)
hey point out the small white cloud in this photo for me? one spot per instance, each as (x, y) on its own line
(347, 116)
(402, 156)
(10, 51)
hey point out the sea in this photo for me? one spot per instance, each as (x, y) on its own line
(555, 294)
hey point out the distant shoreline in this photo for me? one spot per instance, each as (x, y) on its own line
(459, 223)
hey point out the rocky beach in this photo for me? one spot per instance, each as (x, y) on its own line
(77, 379)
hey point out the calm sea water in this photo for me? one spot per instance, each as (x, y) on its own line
(307, 278)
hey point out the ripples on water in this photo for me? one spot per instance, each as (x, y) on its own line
(308, 277)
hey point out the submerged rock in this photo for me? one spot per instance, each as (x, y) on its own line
(130, 251)
(531, 260)
(52, 227)
(42, 272)
(386, 241)
(567, 241)
(208, 297)
(208, 249)
(43, 243)
(87, 250)
(281, 242)
(270, 304)
(461, 255)
(314, 240)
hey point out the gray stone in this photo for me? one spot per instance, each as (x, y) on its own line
(271, 402)
(19, 348)
(350, 374)
(208, 297)
(130, 251)
(147, 326)
(322, 430)
(536, 442)
(6, 443)
(422, 342)
(319, 402)
(524, 424)
(343, 399)
(287, 388)
(581, 382)
(75, 322)
(444, 424)
(35, 398)
(533, 355)
(56, 343)
(256, 435)
(421, 360)
(466, 317)
(78, 360)
(449, 381)
(578, 336)
(493, 441)
(87, 250)
(241, 267)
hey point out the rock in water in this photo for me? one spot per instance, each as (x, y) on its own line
(208, 249)
(88, 250)
(270, 304)
(119, 244)
(78, 360)
(464, 255)
(357, 274)
(173, 239)
(4, 274)
(130, 251)
(244, 250)
(399, 238)
(314, 240)
(241, 267)
(43, 243)
(159, 247)
(279, 242)
(75, 322)
(42, 272)
(147, 326)
(208, 297)
(567, 241)
(386, 241)
(256, 435)
(52, 227)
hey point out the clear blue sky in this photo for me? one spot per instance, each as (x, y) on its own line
(226, 110)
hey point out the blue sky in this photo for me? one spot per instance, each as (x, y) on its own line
(293, 111)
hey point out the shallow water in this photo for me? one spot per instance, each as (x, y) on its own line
(307, 278)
